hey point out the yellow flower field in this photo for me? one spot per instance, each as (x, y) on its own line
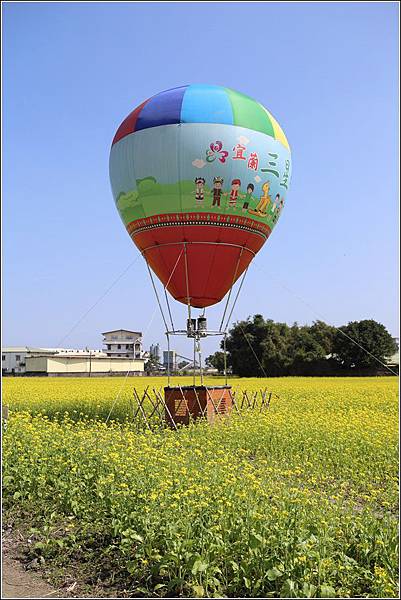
(298, 501)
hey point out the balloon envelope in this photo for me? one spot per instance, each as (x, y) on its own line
(199, 175)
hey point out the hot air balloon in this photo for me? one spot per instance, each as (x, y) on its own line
(199, 174)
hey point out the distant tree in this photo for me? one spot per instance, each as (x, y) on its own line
(152, 365)
(216, 361)
(304, 350)
(276, 355)
(261, 346)
(245, 346)
(324, 334)
(257, 346)
(369, 335)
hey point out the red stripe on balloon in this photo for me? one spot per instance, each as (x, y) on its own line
(204, 219)
(128, 125)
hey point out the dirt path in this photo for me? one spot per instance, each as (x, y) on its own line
(18, 583)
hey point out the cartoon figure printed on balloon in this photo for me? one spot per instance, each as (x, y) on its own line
(277, 207)
(274, 208)
(217, 190)
(248, 197)
(199, 190)
(235, 186)
(265, 200)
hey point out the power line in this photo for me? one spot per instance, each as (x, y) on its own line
(86, 313)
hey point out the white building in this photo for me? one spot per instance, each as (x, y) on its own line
(84, 365)
(122, 353)
(123, 343)
(13, 358)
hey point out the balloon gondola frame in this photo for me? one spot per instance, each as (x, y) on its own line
(184, 404)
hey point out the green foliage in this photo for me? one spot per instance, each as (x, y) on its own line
(244, 345)
(216, 361)
(152, 365)
(258, 346)
(146, 182)
(148, 187)
(369, 334)
(125, 201)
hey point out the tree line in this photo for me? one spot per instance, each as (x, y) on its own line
(258, 347)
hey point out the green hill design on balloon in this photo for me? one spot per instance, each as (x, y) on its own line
(162, 198)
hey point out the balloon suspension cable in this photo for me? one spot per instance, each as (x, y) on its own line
(165, 288)
(231, 289)
(195, 329)
(225, 357)
(169, 310)
(168, 359)
(235, 299)
(187, 280)
(196, 338)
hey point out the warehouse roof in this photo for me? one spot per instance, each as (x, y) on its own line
(125, 331)
(28, 349)
(85, 356)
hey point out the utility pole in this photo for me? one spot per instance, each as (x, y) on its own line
(90, 360)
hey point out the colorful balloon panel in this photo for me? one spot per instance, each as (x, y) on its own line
(200, 176)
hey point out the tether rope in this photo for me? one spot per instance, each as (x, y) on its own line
(97, 301)
(165, 287)
(129, 370)
(251, 347)
(146, 330)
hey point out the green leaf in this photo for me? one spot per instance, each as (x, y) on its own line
(289, 589)
(17, 495)
(39, 546)
(131, 567)
(143, 590)
(198, 590)
(247, 583)
(273, 574)
(326, 591)
(255, 540)
(199, 566)
(309, 590)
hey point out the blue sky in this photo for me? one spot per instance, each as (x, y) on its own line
(72, 72)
